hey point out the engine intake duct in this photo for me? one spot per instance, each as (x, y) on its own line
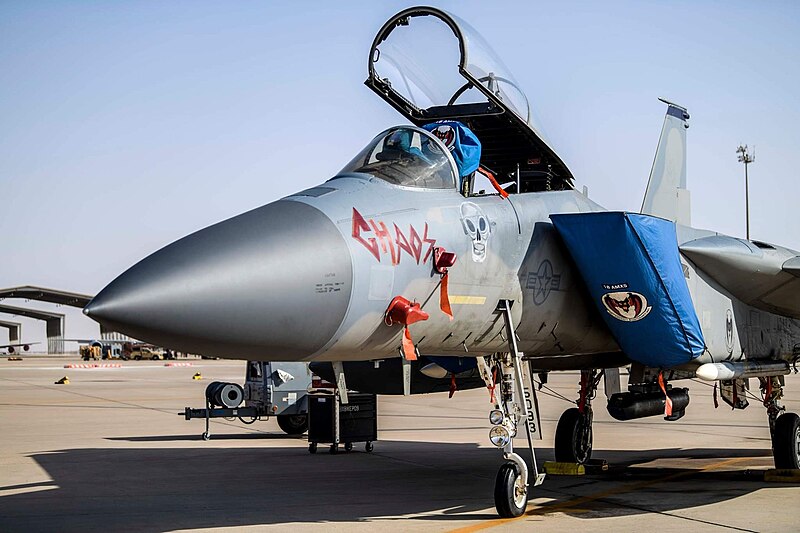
(631, 405)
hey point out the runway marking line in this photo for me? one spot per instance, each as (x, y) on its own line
(575, 502)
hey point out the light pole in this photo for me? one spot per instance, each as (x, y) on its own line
(746, 158)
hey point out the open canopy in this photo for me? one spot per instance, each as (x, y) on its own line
(417, 66)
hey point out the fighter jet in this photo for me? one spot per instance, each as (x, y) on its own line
(461, 236)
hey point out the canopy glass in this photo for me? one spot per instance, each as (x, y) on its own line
(430, 65)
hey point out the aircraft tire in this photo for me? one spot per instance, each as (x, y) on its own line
(293, 424)
(786, 441)
(572, 444)
(510, 496)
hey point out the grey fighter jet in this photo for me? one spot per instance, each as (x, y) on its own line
(461, 236)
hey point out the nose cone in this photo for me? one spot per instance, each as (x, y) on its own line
(273, 283)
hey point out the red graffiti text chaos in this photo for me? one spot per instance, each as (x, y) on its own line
(377, 238)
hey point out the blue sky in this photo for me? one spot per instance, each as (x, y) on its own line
(124, 126)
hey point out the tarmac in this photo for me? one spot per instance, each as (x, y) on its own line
(107, 452)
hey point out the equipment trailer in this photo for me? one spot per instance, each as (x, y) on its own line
(270, 389)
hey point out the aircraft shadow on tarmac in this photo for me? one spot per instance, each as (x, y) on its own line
(214, 436)
(173, 488)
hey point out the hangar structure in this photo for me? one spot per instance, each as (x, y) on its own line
(53, 321)
(58, 297)
(14, 331)
(54, 296)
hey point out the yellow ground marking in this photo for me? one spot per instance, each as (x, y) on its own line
(582, 500)
(459, 299)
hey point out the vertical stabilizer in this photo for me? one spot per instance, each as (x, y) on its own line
(666, 194)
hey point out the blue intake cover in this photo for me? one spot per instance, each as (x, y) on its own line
(631, 266)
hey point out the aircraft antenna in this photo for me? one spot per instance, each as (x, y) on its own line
(746, 158)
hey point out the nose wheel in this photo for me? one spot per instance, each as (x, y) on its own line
(510, 492)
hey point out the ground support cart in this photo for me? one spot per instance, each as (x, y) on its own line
(333, 422)
(270, 389)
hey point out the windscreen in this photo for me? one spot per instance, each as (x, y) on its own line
(406, 156)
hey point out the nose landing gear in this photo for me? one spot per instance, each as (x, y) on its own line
(512, 407)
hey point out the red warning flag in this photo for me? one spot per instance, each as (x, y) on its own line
(668, 402)
(442, 261)
(444, 298)
(493, 180)
(409, 351)
(453, 385)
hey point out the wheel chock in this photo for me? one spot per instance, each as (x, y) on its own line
(564, 469)
(788, 475)
(15, 358)
(197, 376)
(62, 381)
(594, 466)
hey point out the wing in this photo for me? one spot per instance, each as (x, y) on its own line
(17, 345)
(759, 274)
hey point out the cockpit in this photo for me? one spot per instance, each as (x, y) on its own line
(417, 66)
(407, 156)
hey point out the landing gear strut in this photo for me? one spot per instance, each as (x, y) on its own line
(784, 427)
(574, 431)
(512, 482)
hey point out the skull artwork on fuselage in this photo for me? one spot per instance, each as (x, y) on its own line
(476, 226)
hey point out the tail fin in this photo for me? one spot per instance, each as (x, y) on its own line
(666, 194)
